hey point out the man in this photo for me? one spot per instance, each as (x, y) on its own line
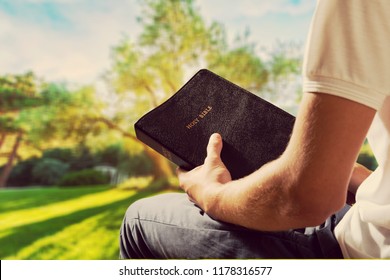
(275, 211)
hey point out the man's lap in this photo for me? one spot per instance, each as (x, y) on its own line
(170, 226)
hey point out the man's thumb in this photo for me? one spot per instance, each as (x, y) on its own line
(214, 147)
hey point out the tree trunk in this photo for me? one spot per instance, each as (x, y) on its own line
(2, 139)
(8, 167)
(161, 169)
(161, 166)
(152, 96)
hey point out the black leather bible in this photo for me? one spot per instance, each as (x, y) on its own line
(253, 130)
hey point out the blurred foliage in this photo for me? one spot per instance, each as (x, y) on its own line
(58, 162)
(48, 171)
(175, 41)
(87, 126)
(366, 157)
(19, 91)
(84, 177)
(58, 118)
(21, 174)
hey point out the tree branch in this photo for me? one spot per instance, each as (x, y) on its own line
(113, 126)
(152, 95)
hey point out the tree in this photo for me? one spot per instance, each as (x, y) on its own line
(284, 86)
(175, 39)
(18, 92)
(41, 115)
(240, 65)
(174, 42)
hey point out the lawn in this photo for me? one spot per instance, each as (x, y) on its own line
(63, 223)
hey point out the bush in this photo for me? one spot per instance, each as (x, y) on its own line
(85, 177)
(48, 171)
(63, 154)
(112, 155)
(136, 165)
(21, 174)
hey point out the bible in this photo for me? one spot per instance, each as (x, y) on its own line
(253, 130)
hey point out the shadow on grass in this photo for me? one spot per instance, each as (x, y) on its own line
(24, 198)
(27, 234)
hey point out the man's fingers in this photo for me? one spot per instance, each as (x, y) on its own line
(180, 171)
(184, 177)
(214, 148)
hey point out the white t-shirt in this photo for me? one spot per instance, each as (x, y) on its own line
(348, 55)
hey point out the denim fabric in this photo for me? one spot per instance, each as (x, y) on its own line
(170, 226)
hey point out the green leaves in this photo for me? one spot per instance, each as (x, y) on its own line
(176, 40)
(19, 92)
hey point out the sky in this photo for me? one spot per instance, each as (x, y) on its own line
(70, 40)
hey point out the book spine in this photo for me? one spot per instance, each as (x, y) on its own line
(161, 149)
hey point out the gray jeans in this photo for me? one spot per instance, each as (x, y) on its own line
(170, 226)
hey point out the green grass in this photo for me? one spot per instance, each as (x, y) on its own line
(63, 223)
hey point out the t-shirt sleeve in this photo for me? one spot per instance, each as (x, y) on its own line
(347, 51)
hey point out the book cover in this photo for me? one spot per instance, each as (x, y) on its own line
(253, 130)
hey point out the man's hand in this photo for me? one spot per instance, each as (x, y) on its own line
(302, 187)
(203, 182)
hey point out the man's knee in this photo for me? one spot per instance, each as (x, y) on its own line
(134, 214)
(133, 211)
(129, 239)
(138, 224)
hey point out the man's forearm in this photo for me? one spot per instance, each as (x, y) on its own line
(304, 186)
(265, 200)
